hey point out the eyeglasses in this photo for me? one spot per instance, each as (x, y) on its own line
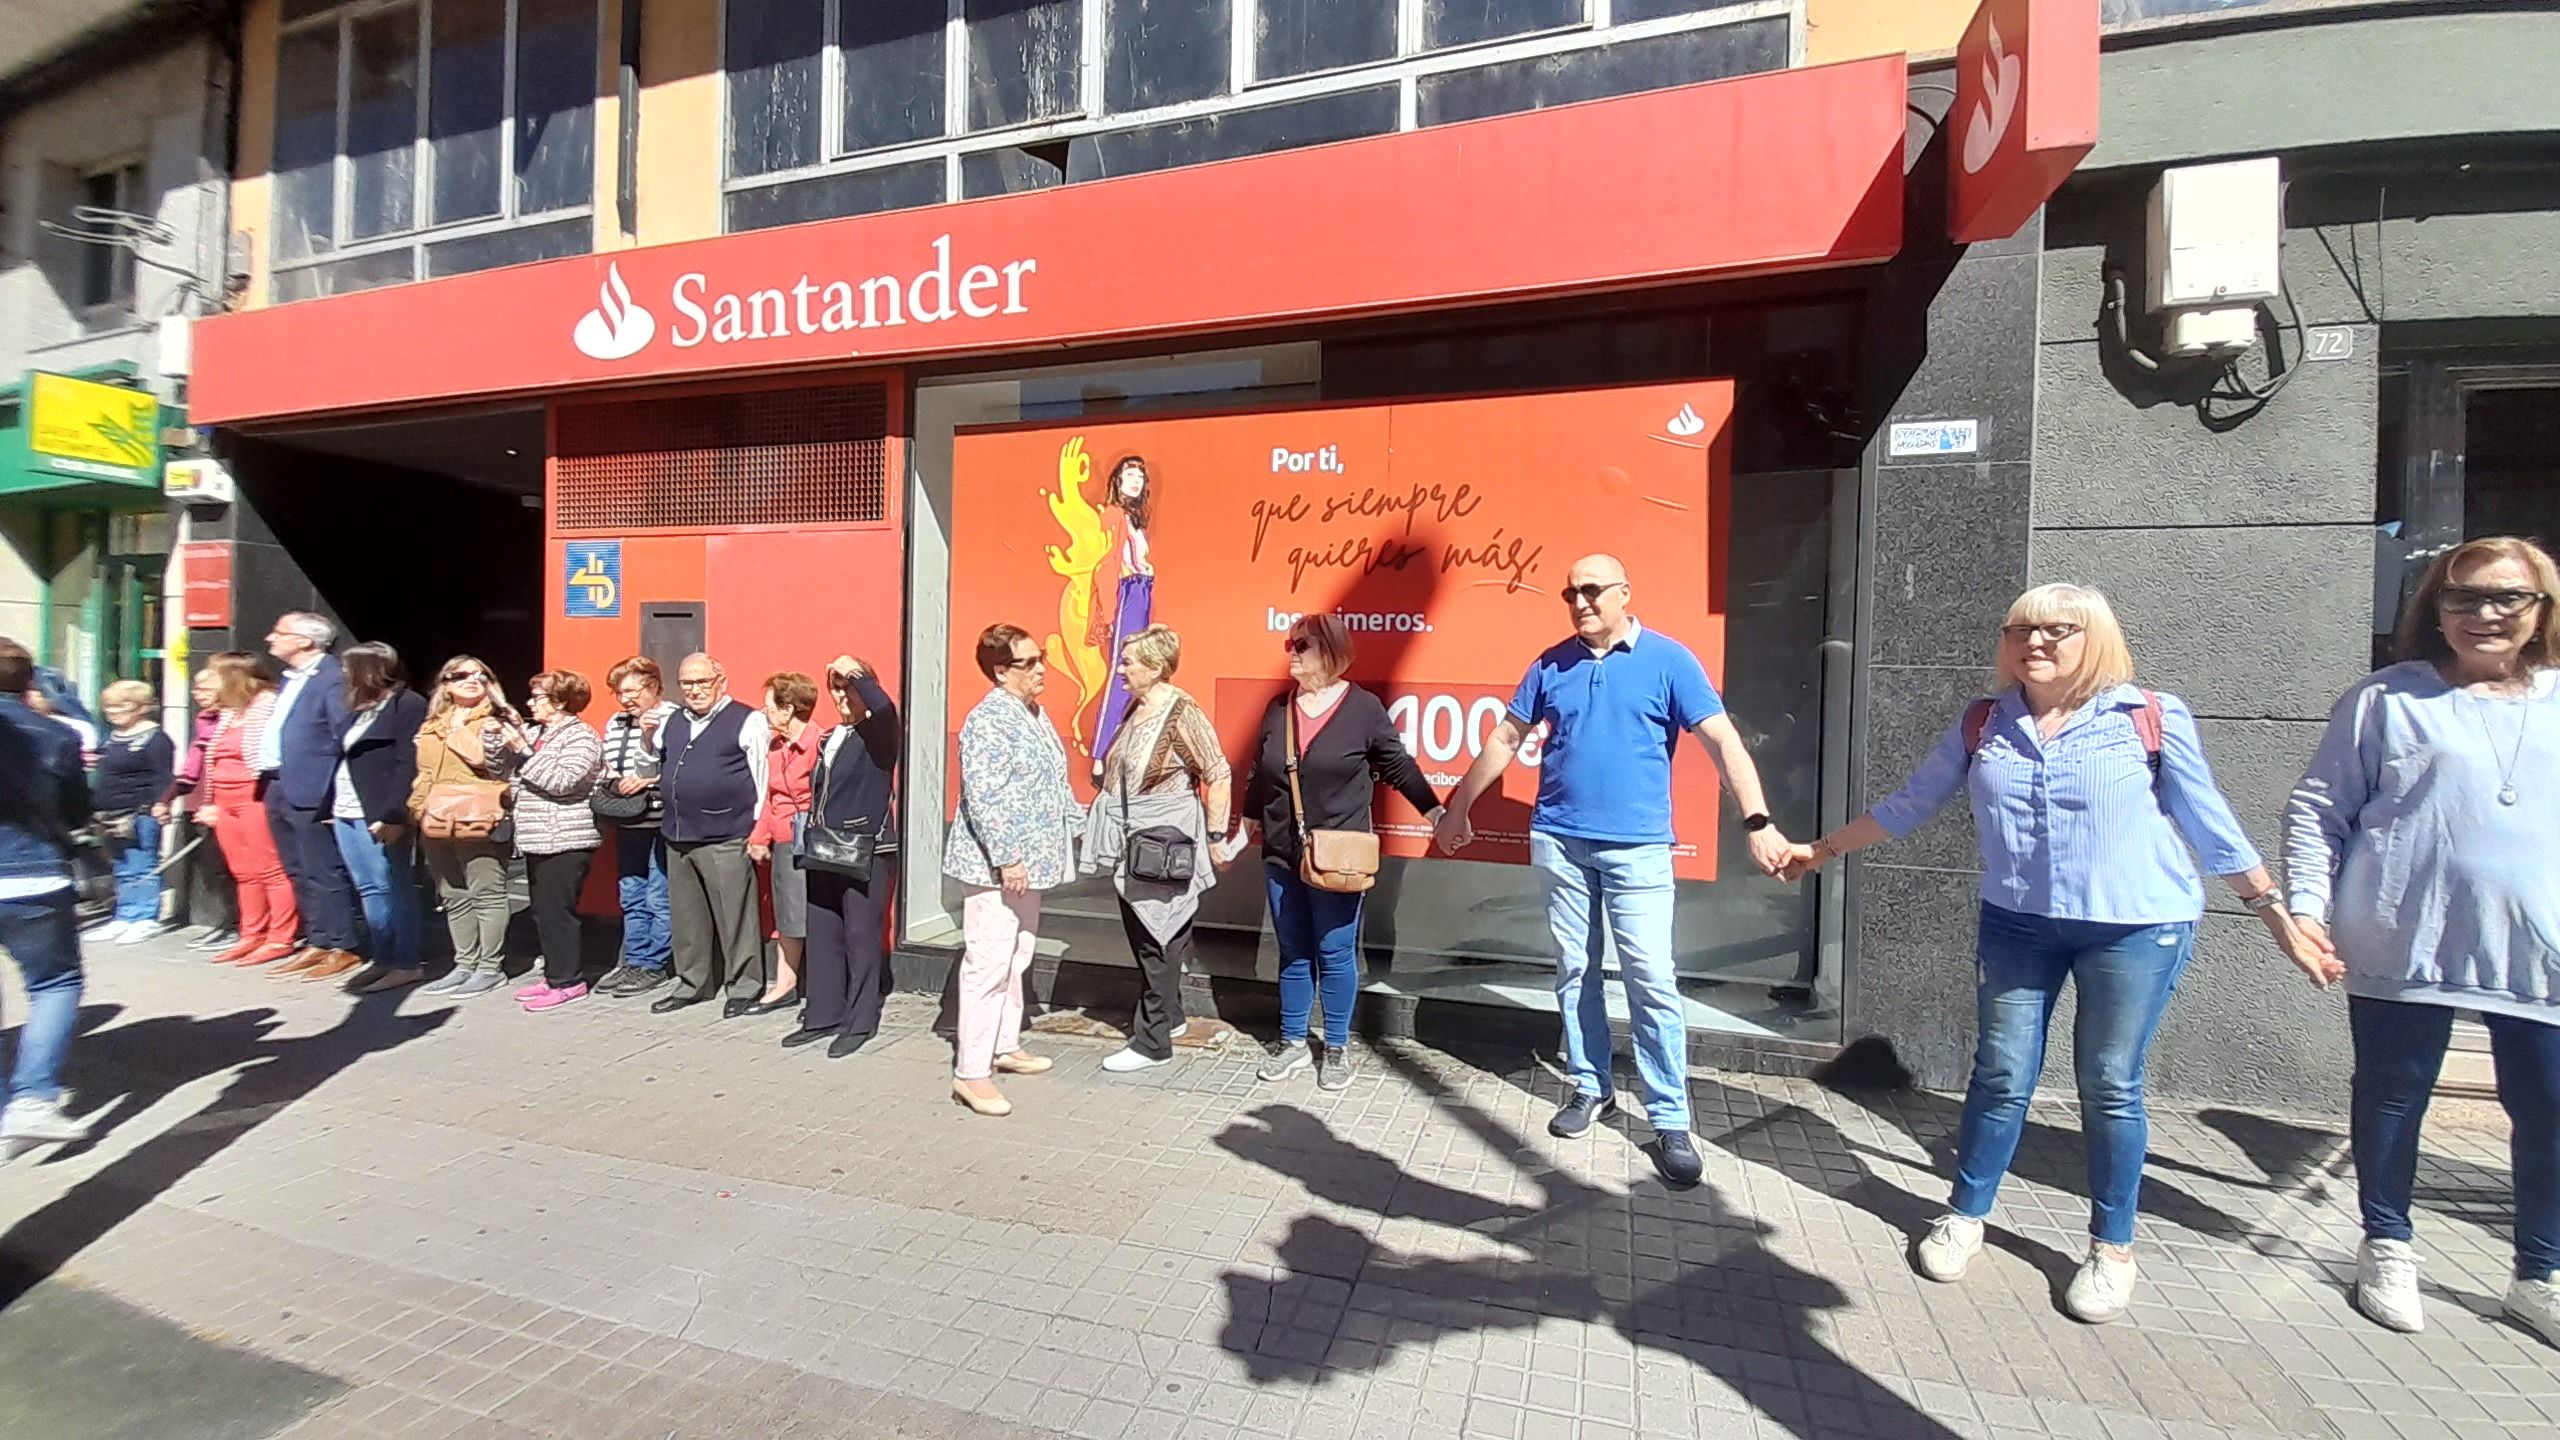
(703, 684)
(1298, 646)
(473, 677)
(1588, 594)
(2496, 604)
(1024, 662)
(2056, 631)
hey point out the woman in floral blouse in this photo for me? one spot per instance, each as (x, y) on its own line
(1010, 841)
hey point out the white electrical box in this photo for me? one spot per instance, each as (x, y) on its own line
(2226, 331)
(2215, 233)
(177, 346)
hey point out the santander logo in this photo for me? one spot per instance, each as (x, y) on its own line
(938, 290)
(618, 327)
(1989, 123)
(1687, 423)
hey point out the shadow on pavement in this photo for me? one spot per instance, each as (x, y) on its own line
(1342, 1299)
(141, 1063)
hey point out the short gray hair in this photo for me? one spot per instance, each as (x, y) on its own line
(314, 628)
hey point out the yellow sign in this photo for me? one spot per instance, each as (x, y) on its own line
(79, 427)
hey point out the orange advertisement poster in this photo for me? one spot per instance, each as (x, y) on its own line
(1440, 531)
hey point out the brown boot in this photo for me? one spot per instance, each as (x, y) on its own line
(302, 960)
(338, 963)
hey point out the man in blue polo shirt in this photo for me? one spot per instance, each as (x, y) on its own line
(1617, 698)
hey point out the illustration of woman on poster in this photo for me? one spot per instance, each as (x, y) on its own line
(1124, 586)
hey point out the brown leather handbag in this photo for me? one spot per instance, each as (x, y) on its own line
(1344, 862)
(463, 810)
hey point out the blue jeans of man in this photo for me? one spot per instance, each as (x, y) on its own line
(386, 881)
(2399, 1049)
(137, 883)
(1600, 897)
(42, 934)
(640, 881)
(1319, 934)
(2125, 975)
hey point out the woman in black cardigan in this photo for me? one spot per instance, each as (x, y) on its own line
(1348, 748)
(844, 963)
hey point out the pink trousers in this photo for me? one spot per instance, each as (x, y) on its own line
(999, 931)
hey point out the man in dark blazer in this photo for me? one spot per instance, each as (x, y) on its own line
(298, 763)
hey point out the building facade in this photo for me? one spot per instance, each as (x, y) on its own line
(570, 330)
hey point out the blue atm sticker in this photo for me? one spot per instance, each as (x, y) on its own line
(595, 580)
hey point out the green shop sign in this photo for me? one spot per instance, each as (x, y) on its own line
(77, 437)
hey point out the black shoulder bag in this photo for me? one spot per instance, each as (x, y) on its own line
(1162, 854)
(846, 849)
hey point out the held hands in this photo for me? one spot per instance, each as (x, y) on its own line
(2306, 943)
(1800, 861)
(1451, 832)
(1772, 851)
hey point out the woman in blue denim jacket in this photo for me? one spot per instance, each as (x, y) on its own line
(2082, 789)
(1011, 840)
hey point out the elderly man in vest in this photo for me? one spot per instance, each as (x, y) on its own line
(711, 768)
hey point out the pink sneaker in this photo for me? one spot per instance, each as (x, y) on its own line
(536, 989)
(551, 999)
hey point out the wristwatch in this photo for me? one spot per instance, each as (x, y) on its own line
(1755, 823)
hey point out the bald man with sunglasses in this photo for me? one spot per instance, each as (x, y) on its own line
(1617, 697)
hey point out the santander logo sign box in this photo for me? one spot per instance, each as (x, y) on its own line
(2026, 112)
(700, 312)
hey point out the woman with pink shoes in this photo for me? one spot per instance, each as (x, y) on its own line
(555, 763)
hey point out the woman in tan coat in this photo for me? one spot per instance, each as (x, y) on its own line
(463, 743)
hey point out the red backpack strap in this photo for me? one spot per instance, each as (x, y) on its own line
(2148, 722)
(1977, 719)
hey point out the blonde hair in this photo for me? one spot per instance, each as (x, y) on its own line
(127, 692)
(440, 704)
(1328, 639)
(2421, 635)
(2106, 661)
(1157, 647)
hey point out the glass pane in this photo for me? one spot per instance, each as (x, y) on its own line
(555, 104)
(1026, 58)
(1300, 37)
(1317, 120)
(892, 70)
(861, 192)
(1620, 69)
(1464, 22)
(515, 245)
(306, 143)
(382, 124)
(1012, 169)
(1627, 12)
(466, 108)
(1163, 52)
(343, 277)
(2511, 464)
(773, 53)
(296, 9)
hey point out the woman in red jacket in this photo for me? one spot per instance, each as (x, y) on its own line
(269, 918)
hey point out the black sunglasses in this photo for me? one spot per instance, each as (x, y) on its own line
(1589, 594)
(1299, 645)
(1025, 662)
(2466, 599)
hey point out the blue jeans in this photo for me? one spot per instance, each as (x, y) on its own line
(1599, 897)
(2399, 1048)
(1318, 932)
(640, 881)
(2125, 974)
(42, 933)
(386, 881)
(137, 887)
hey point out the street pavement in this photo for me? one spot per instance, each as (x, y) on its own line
(408, 1217)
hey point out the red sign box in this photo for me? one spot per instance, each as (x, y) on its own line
(1440, 531)
(206, 566)
(2026, 111)
(1786, 171)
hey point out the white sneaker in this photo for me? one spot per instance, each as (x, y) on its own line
(1952, 1242)
(2103, 1288)
(137, 931)
(108, 934)
(2535, 1305)
(2387, 1285)
(1124, 1060)
(41, 1122)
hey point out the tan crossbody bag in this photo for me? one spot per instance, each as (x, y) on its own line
(1342, 861)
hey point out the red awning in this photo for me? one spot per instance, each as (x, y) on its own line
(1791, 170)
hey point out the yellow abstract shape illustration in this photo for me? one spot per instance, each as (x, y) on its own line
(591, 577)
(1072, 655)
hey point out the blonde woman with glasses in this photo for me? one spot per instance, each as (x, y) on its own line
(2087, 793)
(461, 749)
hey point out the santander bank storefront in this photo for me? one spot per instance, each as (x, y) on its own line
(1405, 380)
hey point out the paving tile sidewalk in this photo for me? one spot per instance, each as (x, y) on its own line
(460, 1219)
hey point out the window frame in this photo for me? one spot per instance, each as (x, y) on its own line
(132, 178)
(424, 229)
(1406, 68)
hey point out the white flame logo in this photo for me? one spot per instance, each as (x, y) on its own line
(618, 327)
(1686, 423)
(1997, 107)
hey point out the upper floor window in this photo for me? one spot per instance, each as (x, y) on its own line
(400, 117)
(105, 286)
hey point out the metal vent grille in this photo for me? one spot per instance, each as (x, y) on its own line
(817, 455)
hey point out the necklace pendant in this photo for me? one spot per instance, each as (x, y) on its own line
(2507, 795)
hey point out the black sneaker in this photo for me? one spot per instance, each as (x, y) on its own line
(1282, 1059)
(1579, 1113)
(641, 982)
(1675, 1154)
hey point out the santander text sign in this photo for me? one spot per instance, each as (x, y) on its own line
(2026, 111)
(1792, 170)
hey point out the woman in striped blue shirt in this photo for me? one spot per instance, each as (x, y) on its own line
(2082, 789)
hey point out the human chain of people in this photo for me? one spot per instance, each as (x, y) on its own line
(2418, 852)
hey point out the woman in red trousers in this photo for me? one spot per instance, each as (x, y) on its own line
(269, 920)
